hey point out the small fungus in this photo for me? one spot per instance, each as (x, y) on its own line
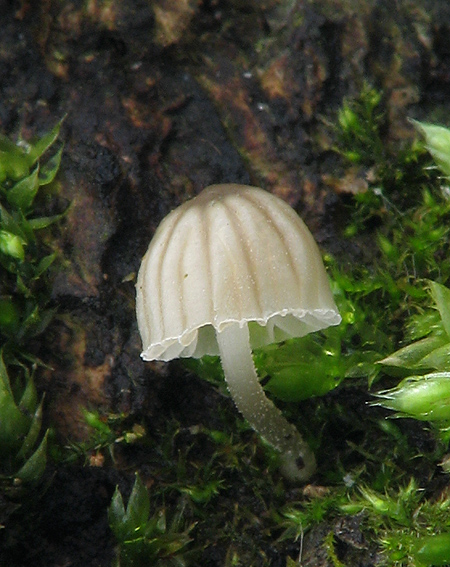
(233, 269)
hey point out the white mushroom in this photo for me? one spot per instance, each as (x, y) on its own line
(233, 269)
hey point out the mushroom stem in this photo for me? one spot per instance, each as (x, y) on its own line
(298, 461)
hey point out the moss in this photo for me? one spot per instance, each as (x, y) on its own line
(24, 309)
(212, 494)
(381, 471)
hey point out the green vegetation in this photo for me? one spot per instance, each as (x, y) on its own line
(396, 324)
(423, 395)
(23, 255)
(411, 529)
(24, 297)
(105, 434)
(401, 297)
(23, 457)
(203, 490)
(145, 538)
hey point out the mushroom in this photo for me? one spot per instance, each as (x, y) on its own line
(233, 269)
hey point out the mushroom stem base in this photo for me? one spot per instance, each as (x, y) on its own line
(298, 461)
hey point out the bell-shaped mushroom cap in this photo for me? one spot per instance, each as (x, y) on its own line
(233, 254)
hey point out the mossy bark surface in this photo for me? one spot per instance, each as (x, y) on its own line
(162, 99)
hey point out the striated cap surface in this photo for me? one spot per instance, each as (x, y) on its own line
(233, 254)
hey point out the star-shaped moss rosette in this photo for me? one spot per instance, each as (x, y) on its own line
(143, 537)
